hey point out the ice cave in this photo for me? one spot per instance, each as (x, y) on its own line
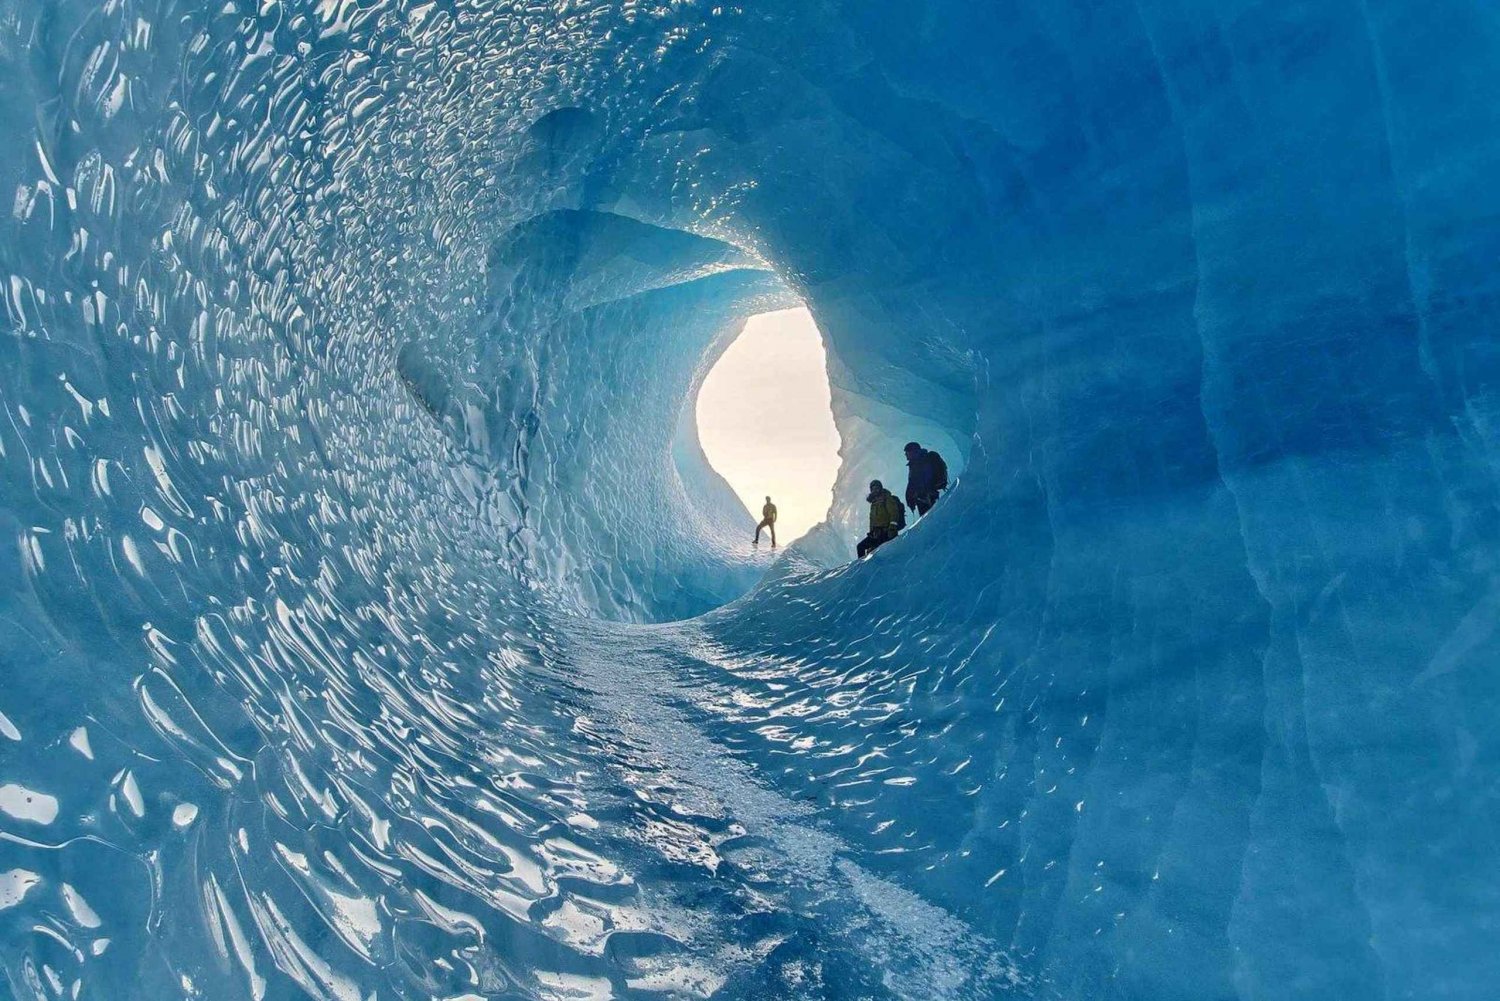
(374, 627)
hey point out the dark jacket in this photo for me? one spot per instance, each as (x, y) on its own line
(927, 474)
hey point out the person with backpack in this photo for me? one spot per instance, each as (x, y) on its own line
(887, 519)
(926, 478)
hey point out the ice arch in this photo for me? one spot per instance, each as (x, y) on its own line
(343, 461)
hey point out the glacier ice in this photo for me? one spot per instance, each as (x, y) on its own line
(374, 627)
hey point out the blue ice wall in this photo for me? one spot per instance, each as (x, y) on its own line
(353, 532)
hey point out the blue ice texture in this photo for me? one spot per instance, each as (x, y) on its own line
(372, 625)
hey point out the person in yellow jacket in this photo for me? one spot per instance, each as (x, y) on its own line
(887, 518)
(767, 520)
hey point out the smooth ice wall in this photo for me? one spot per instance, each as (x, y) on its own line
(1223, 547)
(1198, 296)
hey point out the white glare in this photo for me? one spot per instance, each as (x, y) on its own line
(766, 424)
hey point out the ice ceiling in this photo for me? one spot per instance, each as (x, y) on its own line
(356, 535)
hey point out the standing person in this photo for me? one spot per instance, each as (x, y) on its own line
(887, 518)
(767, 520)
(926, 477)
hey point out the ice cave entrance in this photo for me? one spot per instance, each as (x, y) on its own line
(766, 422)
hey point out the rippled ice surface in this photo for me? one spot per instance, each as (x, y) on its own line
(372, 625)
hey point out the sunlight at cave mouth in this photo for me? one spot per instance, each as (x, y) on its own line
(766, 423)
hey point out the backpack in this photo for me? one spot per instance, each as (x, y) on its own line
(900, 512)
(939, 472)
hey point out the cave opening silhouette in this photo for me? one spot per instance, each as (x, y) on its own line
(765, 421)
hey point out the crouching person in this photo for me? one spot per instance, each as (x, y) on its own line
(887, 518)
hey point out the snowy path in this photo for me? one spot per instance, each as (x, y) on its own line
(775, 843)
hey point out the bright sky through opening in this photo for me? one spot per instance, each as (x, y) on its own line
(766, 423)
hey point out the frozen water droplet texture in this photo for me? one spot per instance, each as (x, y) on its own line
(373, 625)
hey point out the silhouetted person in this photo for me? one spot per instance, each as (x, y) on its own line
(767, 520)
(926, 477)
(887, 518)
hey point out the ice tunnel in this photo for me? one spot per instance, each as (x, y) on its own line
(372, 625)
